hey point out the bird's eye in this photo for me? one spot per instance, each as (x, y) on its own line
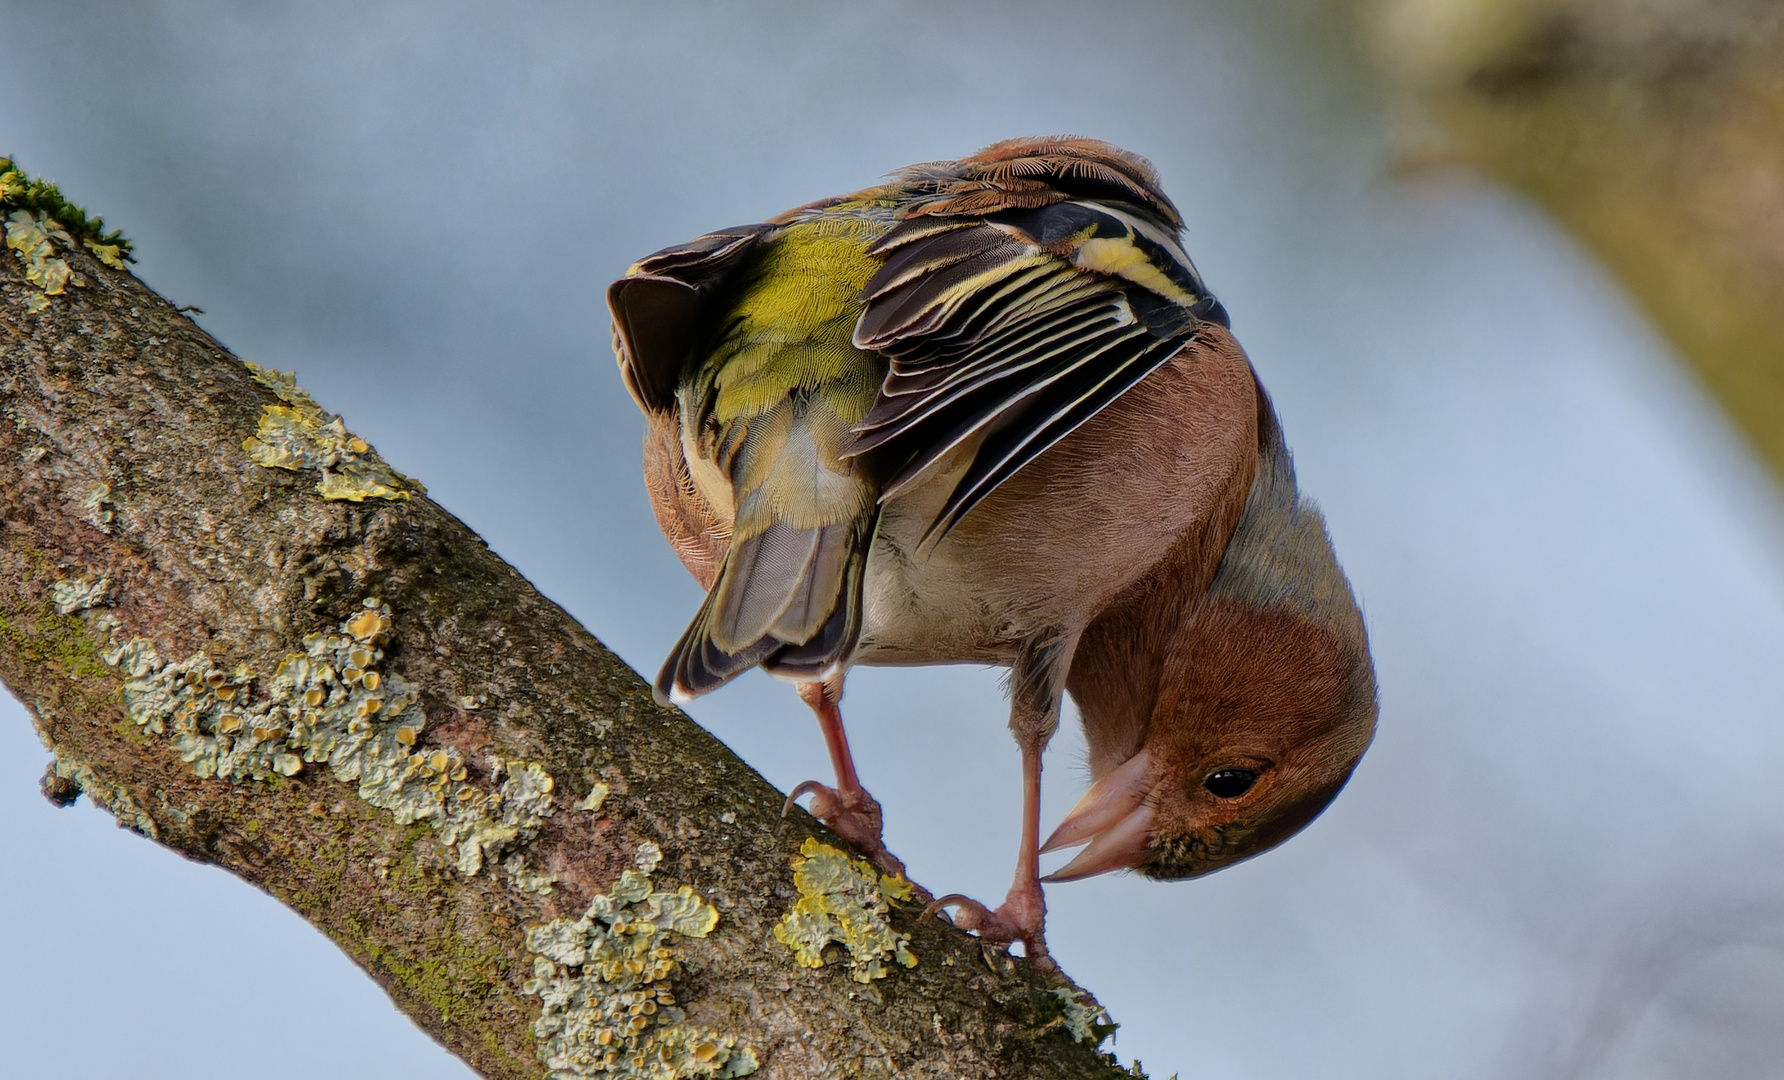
(1230, 783)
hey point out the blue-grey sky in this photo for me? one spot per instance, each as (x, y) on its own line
(1562, 857)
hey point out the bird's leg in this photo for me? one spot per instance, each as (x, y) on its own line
(1023, 914)
(1036, 681)
(847, 808)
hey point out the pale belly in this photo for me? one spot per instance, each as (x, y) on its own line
(1054, 545)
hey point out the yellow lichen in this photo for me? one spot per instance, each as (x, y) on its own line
(111, 255)
(45, 199)
(843, 901)
(605, 985)
(299, 436)
(30, 235)
(596, 796)
(329, 705)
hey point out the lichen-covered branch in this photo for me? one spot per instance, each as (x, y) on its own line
(254, 642)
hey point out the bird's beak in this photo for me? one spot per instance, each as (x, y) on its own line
(1113, 817)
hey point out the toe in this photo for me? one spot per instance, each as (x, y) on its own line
(1021, 917)
(825, 801)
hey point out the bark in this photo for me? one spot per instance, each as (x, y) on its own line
(131, 512)
(1653, 130)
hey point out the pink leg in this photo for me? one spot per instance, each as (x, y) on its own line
(847, 808)
(1023, 914)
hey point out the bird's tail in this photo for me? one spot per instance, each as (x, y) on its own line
(787, 598)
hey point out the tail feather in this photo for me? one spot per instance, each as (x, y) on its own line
(697, 666)
(835, 641)
(822, 591)
(781, 583)
(764, 576)
(791, 604)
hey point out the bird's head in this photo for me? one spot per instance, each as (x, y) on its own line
(1260, 717)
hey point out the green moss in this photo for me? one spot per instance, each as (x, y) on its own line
(36, 218)
(449, 975)
(44, 637)
(19, 192)
(447, 972)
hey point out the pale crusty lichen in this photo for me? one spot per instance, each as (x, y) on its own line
(604, 982)
(70, 595)
(526, 877)
(1081, 1015)
(332, 705)
(299, 436)
(97, 506)
(843, 901)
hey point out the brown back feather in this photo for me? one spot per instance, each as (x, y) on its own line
(1018, 174)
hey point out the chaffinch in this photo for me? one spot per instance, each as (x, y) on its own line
(988, 412)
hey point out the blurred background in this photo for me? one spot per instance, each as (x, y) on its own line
(1511, 268)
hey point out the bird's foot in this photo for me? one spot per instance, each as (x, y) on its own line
(1022, 917)
(852, 814)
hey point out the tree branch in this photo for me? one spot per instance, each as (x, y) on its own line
(252, 642)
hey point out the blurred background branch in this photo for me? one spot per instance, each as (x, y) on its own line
(1653, 130)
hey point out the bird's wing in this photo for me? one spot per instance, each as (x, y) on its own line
(1025, 289)
(658, 309)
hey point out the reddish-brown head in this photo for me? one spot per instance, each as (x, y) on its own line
(1257, 727)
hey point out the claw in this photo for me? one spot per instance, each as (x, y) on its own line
(822, 807)
(1022, 917)
(854, 816)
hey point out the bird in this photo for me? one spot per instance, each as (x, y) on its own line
(988, 411)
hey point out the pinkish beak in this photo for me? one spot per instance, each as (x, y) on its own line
(1113, 817)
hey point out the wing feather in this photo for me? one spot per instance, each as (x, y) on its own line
(1006, 336)
(661, 306)
(1023, 290)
